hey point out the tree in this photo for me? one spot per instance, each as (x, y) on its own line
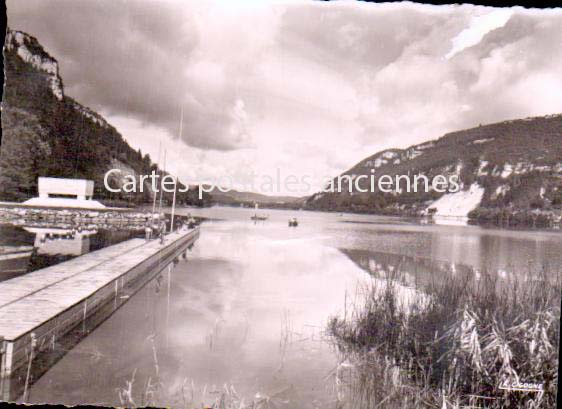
(24, 154)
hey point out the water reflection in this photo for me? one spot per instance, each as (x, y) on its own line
(245, 314)
(513, 252)
(30, 246)
(412, 271)
(68, 242)
(483, 248)
(14, 260)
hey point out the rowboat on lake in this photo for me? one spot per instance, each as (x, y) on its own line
(256, 216)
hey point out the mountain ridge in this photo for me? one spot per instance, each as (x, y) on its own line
(517, 164)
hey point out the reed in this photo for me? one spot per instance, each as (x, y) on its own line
(156, 391)
(452, 344)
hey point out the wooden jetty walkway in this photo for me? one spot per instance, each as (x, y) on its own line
(39, 308)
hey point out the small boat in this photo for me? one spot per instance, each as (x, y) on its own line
(257, 217)
(293, 222)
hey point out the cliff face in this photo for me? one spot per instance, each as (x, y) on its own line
(30, 52)
(513, 164)
(47, 133)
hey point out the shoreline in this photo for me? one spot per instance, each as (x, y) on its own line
(484, 217)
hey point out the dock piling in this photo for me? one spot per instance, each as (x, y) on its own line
(33, 344)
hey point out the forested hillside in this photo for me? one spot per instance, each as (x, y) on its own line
(46, 133)
(514, 165)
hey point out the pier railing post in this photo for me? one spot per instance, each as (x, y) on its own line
(32, 346)
(4, 392)
(2, 349)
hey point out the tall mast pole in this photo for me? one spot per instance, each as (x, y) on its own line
(176, 179)
(156, 192)
(161, 189)
(174, 204)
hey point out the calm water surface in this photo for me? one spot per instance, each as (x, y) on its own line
(245, 314)
(24, 249)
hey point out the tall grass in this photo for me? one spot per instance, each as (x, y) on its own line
(155, 391)
(452, 344)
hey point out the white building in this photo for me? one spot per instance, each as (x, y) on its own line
(61, 192)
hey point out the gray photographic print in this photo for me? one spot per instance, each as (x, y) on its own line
(280, 204)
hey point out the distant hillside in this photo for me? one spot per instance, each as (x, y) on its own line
(235, 197)
(47, 133)
(508, 165)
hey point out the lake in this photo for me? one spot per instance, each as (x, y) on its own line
(243, 318)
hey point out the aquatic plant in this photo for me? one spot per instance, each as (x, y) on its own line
(157, 390)
(457, 343)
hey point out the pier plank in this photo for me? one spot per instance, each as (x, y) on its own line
(31, 300)
(25, 285)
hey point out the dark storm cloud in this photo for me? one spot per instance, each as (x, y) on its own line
(128, 58)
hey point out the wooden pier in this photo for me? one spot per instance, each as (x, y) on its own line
(38, 309)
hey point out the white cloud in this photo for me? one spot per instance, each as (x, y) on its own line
(304, 86)
(478, 28)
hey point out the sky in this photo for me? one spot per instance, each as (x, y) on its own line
(276, 88)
